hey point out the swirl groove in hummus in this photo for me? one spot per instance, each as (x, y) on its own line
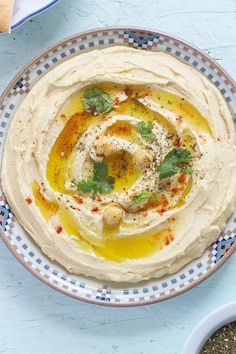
(139, 224)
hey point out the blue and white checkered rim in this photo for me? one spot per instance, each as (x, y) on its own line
(21, 245)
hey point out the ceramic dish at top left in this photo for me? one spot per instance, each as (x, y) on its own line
(24, 10)
(19, 242)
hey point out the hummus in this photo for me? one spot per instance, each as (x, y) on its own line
(122, 164)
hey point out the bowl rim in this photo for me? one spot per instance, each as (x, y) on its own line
(34, 13)
(208, 326)
(12, 249)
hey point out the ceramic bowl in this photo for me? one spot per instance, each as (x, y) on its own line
(25, 10)
(19, 242)
(209, 325)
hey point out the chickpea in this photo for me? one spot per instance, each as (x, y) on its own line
(104, 146)
(143, 158)
(112, 214)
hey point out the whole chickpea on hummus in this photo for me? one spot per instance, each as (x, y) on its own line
(123, 164)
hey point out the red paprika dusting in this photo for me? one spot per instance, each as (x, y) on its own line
(161, 204)
(161, 211)
(182, 178)
(169, 238)
(165, 202)
(116, 102)
(179, 119)
(98, 199)
(124, 129)
(28, 201)
(95, 210)
(177, 143)
(78, 200)
(59, 229)
(176, 191)
(167, 242)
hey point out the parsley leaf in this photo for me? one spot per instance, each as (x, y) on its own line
(141, 196)
(106, 186)
(175, 161)
(145, 129)
(100, 171)
(101, 181)
(86, 186)
(96, 101)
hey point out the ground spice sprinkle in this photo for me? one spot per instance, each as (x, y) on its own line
(223, 341)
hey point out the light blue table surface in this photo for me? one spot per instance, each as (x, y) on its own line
(36, 319)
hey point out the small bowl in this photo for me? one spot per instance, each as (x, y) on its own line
(24, 11)
(209, 325)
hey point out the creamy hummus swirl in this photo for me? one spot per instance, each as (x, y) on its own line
(53, 144)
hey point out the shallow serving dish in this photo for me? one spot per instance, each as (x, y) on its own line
(209, 325)
(25, 10)
(22, 246)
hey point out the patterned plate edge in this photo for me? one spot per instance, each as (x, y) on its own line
(13, 250)
(62, 290)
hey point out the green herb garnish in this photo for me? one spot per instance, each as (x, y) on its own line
(96, 101)
(145, 129)
(176, 160)
(141, 196)
(101, 181)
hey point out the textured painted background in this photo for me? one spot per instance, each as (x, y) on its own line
(36, 319)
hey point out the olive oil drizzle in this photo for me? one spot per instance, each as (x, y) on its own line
(61, 159)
